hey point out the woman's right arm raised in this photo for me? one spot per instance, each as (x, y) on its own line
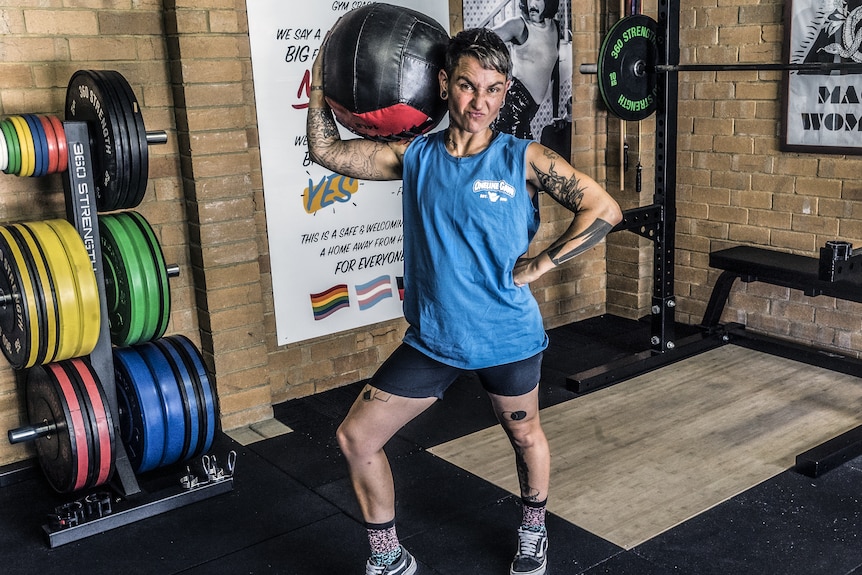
(355, 158)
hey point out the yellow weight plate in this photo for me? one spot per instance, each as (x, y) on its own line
(28, 291)
(65, 287)
(85, 277)
(28, 150)
(46, 289)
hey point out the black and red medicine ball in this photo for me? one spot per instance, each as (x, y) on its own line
(380, 67)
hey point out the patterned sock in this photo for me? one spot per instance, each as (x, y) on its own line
(385, 548)
(534, 515)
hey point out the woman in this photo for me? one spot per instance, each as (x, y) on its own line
(470, 212)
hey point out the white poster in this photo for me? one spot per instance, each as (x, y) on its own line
(335, 243)
(823, 109)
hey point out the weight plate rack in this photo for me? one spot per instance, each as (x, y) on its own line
(69, 289)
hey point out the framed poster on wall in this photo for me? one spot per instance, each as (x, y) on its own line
(335, 243)
(822, 109)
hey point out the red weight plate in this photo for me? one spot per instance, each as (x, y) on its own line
(51, 142)
(79, 425)
(62, 148)
(104, 434)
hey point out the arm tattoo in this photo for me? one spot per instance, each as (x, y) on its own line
(567, 191)
(590, 236)
(325, 147)
(320, 120)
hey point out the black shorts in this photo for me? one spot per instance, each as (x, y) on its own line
(410, 373)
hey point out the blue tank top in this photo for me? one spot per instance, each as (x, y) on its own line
(466, 222)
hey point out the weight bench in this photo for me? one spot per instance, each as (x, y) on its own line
(837, 273)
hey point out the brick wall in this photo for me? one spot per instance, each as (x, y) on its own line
(189, 65)
(737, 187)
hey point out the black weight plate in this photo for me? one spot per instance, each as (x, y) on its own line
(88, 417)
(195, 362)
(16, 315)
(142, 424)
(49, 292)
(192, 398)
(57, 451)
(124, 160)
(103, 428)
(35, 292)
(626, 68)
(128, 106)
(178, 437)
(86, 102)
(68, 472)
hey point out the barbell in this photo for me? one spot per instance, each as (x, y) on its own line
(627, 67)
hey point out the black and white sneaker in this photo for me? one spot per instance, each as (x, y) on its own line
(532, 557)
(406, 565)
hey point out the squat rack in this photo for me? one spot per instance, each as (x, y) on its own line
(835, 273)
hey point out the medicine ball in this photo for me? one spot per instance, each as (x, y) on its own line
(380, 67)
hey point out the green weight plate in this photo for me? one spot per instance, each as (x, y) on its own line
(86, 102)
(18, 321)
(35, 292)
(141, 418)
(128, 105)
(4, 152)
(163, 305)
(123, 280)
(150, 294)
(25, 141)
(14, 146)
(626, 64)
(114, 109)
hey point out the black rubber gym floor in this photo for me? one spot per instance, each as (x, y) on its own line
(291, 510)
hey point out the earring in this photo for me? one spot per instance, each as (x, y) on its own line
(444, 94)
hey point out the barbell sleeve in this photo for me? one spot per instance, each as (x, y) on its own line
(157, 137)
(31, 432)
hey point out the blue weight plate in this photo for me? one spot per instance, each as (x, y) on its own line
(40, 143)
(197, 368)
(141, 418)
(195, 412)
(177, 439)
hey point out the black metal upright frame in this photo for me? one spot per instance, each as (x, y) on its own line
(656, 222)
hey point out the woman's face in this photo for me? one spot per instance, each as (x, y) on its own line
(475, 94)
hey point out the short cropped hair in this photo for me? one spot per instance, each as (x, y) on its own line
(484, 45)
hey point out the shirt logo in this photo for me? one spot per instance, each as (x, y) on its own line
(494, 191)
